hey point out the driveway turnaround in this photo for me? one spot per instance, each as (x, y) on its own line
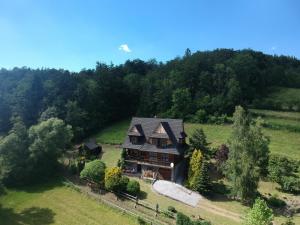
(177, 192)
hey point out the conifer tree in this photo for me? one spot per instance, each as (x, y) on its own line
(203, 182)
(195, 168)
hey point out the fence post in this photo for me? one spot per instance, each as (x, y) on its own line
(156, 211)
(136, 201)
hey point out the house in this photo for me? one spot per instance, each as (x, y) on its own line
(155, 147)
(90, 147)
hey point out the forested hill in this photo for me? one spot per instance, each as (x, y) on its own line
(210, 82)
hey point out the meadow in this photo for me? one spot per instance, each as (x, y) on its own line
(54, 203)
(282, 141)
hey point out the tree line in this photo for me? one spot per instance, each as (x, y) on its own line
(200, 86)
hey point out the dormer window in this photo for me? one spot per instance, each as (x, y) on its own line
(134, 139)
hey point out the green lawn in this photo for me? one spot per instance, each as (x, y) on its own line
(111, 155)
(276, 114)
(114, 134)
(283, 142)
(54, 203)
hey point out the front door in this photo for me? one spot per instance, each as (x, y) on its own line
(139, 168)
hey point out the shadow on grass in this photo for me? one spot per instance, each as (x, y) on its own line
(42, 185)
(29, 216)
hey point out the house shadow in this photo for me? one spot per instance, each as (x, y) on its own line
(29, 216)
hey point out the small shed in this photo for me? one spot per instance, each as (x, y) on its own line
(91, 147)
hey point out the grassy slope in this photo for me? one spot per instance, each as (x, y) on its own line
(56, 204)
(282, 141)
(111, 155)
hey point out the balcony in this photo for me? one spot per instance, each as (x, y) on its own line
(147, 161)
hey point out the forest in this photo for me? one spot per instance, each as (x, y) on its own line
(203, 86)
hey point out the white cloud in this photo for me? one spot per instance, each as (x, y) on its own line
(273, 48)
(124, 48)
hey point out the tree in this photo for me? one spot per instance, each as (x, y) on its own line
(49, 140)
(14, 155)
(112, 179)
(94, 171)
(259, 214)
(221, 156)
(182, 103)
(133, 187)
(241, 168)
(202, 181)
(195, 169)
(260, 145)
(198, 141)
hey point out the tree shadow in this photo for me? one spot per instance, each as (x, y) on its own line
(29, 216)
(42, 185)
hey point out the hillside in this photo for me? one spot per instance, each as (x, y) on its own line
(280, 98)
(283, 141)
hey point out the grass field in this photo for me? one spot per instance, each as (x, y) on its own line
(111, 155)
(283, 98)
(53, 203)
(283, 142)
(114, 134)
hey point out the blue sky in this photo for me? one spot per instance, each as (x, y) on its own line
(75, 34)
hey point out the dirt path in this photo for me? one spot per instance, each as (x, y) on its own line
(208, 206)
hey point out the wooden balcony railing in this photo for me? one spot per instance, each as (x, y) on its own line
(148, 160)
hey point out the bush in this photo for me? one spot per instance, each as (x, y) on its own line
(288, 222)
(168, 214)
(94, 171)
(133, 187)
(113, 179)
(123, 183)
(172, 209)
(290, 184)
(141, 221)
(280, 166)
(182, 219)
(200, 116)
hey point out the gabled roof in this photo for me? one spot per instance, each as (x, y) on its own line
(136, 130)
(172, 128)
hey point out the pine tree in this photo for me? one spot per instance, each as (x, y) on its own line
(198, 141)
(241, 166)
(203, 182)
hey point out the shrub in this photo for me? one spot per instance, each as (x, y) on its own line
(94, 171)
(123, 183)
(290, 184)
(172, 209)
(200, 116)
(113, 179)
(133, 187)
(182, 219)
(167, 213)
(221, 155)
(141, 221)
(288, 222)
(280, 166)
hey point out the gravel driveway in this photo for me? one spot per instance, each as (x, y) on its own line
(177, 192)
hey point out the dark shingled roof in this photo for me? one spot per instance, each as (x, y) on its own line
(91, 144)
(147, 126)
